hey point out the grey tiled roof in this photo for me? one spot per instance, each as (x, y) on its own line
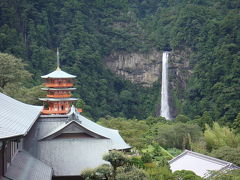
(26, 167)
(69, 156)
(200, 164)
(16, 118)
(58, 74)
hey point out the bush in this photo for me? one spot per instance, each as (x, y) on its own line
(228, 154)
(160, 173)
(218, 136)
(178, 135)
(102, 172)
(116, 159)
(231, 175)
(130, 173)
(186, 175)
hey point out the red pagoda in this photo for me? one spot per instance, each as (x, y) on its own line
(58, 85)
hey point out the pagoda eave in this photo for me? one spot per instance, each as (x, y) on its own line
(58, 99)
(58, 89)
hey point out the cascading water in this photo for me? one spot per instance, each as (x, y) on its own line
(164, 92)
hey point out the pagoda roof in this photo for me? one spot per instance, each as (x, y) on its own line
(58, 99)
(58, 73)
(59, 89)
(16, 118)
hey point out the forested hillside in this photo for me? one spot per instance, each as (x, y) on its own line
(87, 31)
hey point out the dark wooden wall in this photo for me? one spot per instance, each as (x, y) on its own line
(68, 178)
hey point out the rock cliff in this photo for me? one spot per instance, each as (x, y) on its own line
(141, 68)
(179, 73)
(145, 69)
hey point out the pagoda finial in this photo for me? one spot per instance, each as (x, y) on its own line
(58, 62)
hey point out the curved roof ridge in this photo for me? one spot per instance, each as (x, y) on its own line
(62, 126)
(113, 134)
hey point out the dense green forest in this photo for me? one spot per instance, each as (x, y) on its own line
(87, 31)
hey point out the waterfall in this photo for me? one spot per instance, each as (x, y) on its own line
(164, 91)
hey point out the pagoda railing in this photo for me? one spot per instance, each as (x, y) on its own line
(58, 85)
(59, 95)
(47, 111)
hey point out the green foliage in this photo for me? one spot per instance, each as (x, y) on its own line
(186, 175)
(137, 161)
(88, 31)
(116, 159)
(102, 172)
(160, 173)
(178, 135)
(182, 118)
(121, 168)
(236, 124)
(23, 94)
(203, 120)
(85, 32)
(153, 120)
(174, 151)
(133, 131)
(218, 136)
(156, 154)
(130, 173)
(227, 153)
(231, 175)
(12, 70)
(15, 80)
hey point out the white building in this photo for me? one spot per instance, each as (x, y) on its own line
(200, 164)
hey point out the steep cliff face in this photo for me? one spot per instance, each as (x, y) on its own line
(179, 73)
(141, 68)
(145, 69)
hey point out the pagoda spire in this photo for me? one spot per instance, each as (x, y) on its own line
(58, 62)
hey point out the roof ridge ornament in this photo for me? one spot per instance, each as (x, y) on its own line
(73, 115)
(58, 61)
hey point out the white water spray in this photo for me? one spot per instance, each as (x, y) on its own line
(164, 92)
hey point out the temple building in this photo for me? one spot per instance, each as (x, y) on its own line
(200, 164)
(54, 141)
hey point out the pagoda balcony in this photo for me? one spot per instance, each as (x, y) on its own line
(58, 85)
(59, 95)
(47, 111)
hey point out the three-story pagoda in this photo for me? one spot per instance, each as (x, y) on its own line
(58, 85)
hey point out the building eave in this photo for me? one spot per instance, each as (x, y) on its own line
(58, 99)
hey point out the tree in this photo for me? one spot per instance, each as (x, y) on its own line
(186, 175)
(236, 124)
(230, 175)
(229, 154)
(132, 130)
(116, 159)
(120, 168)
(101, 172)
(12, 70)
(182, 118)
(23, 94)
(160, 173)
(131, 173)
(204, 119)
(218, 136)
(176, 135)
